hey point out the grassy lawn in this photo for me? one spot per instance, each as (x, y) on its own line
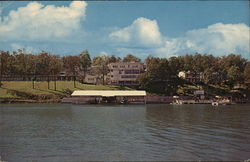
(23, 89)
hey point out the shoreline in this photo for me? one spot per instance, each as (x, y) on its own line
(21, 100)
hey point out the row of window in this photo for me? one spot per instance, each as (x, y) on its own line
(132, 71)
(128, 76)
(129, 71)
(123, 66)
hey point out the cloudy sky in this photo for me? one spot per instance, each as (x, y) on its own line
(142, 28)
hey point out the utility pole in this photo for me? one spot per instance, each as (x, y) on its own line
(74, 80)
(102, 74)
(55, 82)
(33, 82)
(48, 81)
(34, 75)
(1, 72)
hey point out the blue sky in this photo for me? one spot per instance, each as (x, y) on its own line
(160, 28)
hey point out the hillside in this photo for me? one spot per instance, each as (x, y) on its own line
(12, 91)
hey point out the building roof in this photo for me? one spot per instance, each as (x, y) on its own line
(108, 93)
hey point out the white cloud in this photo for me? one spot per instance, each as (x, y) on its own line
(142, 31)
(16, 46)
(38, 22)
(103, 53)
(218, 39)
(28, 49)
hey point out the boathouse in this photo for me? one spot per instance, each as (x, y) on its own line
(109, 96)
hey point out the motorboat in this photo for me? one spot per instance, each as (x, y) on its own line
(215, 103)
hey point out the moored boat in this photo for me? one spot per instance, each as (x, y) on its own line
(215, 103)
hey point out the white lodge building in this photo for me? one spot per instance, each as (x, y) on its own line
(124, 73)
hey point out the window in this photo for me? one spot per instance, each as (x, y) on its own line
(132, 71)
(128, 76)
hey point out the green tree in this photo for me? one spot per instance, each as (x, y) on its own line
(56, 65)
(233, 60)
(20, 63)
(85, 62)
(202, 62)
(43, 64)
(5, 60)
(233, 75)
(114, 59)
(209, 76)
(101, 64)
(247, 71)
(30, 63)
(71, 64)
(174, 65)
(187, 62)
(131, 58)
(157, 78)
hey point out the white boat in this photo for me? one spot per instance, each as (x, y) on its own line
(215, 103)
(177, 102)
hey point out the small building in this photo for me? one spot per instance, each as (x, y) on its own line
(92, 79)
(199, 94)
(109, 96)
(191, 76)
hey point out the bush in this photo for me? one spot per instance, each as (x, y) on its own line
(67, 91)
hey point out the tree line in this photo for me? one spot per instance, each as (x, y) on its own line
(22, 64)
(160, 75)
(45, 63)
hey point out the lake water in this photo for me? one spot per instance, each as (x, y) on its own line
(64, 132)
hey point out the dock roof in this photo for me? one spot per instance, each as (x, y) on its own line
(108, 93)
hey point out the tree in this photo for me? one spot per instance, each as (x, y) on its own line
(71, 64)
(20, 63)
(5, 66)
(131, 58)
(197, 62)
(55, 65)
(202, 62)
(101, 64)
(208, 76)
(247, 71)
(233, 75)
(174, 65)
(85, 62)
(31, 61)
(114, 59)
(157, 78)
(1, 68)
(233, 60)
(187, 62)
(43, 64)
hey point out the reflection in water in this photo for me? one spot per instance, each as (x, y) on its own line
(199, 132)
(61, 132)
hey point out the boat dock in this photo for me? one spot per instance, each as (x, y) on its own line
(196, 101)
(134, 97)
